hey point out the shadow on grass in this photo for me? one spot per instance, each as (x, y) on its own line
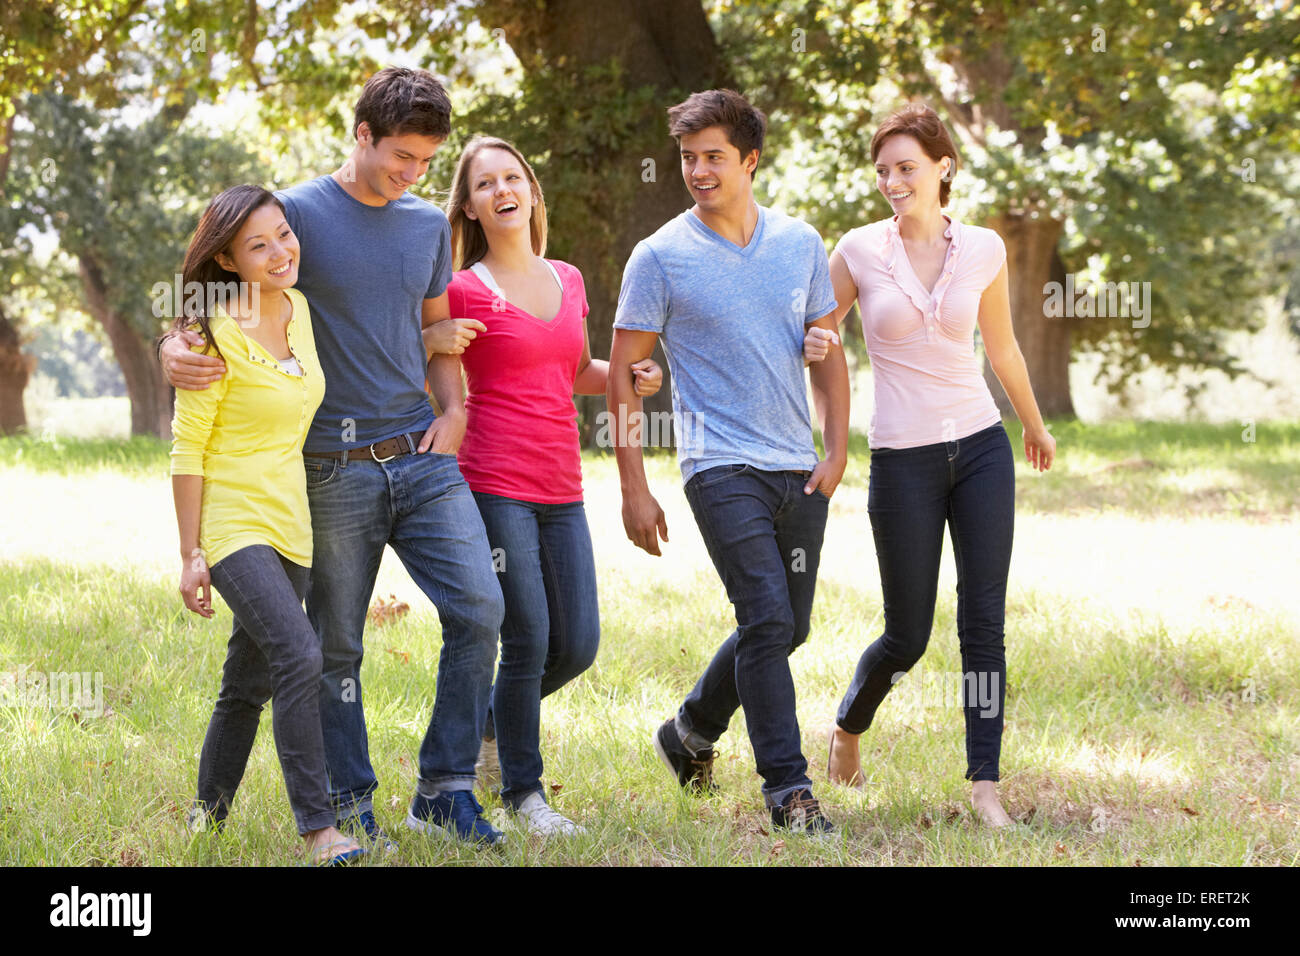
(1143, 468)
(1152, 469)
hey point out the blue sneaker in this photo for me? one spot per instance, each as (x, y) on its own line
(363, 826)
(452, 815)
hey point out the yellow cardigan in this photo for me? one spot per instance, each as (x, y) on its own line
(244, 435)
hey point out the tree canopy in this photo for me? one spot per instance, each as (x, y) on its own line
(1109, 141)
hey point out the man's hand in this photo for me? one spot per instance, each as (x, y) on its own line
(445, 434)
(644, 522)
(817, 343)
(190, 370)
(451, 336)
(826, 476)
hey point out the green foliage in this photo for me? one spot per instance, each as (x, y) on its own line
(80, 365)
(123, 197)
(1161, 135)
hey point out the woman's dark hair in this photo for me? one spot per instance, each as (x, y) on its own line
(396, 101)
(922, 124)
(217, 228)
(745, 124)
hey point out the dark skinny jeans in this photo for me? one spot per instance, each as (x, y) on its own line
(969, 484)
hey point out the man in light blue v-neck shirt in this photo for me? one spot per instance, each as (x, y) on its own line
(731, 287)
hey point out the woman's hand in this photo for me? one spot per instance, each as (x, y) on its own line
(451, 336)
(648, 377)
(817, 343)
(196, 585)
(1040, 449)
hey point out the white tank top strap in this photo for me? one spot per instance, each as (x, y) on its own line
(555, 274)
(486, 277)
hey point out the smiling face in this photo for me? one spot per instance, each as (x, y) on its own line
(393, 165)
(719, 178)
(264, 251)
(907, 177)
(501, 197)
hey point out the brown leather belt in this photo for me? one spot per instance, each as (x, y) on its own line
(384, 450)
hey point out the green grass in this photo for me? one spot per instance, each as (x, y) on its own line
(139, 455)
(1152, 708)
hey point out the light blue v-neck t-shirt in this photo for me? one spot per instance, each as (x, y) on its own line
(732, 323)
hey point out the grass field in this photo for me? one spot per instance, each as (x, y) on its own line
(1153, 629)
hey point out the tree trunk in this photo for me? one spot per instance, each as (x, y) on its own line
(1032, 262)
(15, 367)
(150, 395)
(15, 371)
(665, 45)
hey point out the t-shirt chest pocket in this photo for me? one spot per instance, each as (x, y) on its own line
(417, 273)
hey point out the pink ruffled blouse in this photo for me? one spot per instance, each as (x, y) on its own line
(928, 382)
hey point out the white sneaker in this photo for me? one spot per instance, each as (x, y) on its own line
(542, 820)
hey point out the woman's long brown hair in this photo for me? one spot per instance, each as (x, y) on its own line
(217, 228)
(468, 241)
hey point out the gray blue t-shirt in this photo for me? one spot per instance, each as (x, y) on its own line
(366, 271)
(732, 324)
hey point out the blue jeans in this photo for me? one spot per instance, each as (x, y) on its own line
(273, 655)
(552, 627)
(421, 506)
(765, 538)
(970, 484)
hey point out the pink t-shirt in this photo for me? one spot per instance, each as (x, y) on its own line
(928, 383)
(521, 440)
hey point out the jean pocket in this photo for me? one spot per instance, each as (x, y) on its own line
(715, 476)
(320, 471)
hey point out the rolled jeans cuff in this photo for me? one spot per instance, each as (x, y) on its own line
(431, 785)
(777, 797)
(356, 808)
(692, 741)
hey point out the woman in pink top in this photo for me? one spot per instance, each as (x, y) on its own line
(520, 330)
(939, 453)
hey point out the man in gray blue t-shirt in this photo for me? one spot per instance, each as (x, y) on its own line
(731, 288)
(381, 468)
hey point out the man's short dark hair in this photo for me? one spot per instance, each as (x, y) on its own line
(397, 101)
(745, 124)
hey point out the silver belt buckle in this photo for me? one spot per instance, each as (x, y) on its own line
(376, 457)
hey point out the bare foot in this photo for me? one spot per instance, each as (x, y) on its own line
(984, 798)
(844, 765)
(327, 845)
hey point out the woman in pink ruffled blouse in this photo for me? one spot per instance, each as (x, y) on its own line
(939, 453)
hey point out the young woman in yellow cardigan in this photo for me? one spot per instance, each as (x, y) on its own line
(241, 505)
